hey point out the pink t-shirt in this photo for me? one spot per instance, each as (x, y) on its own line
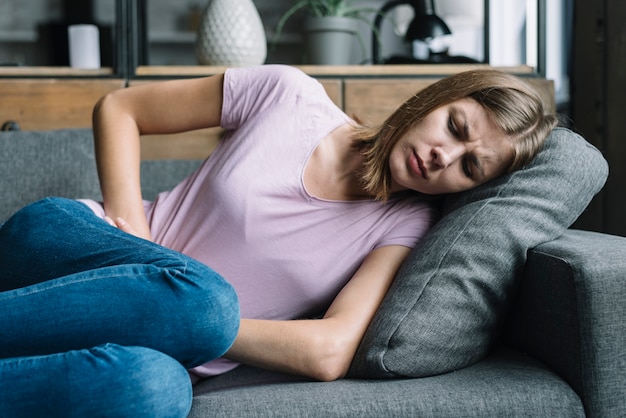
(247, 214)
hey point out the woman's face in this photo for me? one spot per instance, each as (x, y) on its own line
(456, 147)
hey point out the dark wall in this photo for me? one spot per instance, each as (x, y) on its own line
(598, 102)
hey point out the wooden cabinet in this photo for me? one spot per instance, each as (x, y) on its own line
(370, 93)
(372, 100)
(41, 104)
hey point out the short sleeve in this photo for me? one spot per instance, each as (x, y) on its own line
(410, 224)
(249, 91)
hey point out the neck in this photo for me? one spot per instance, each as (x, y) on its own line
(349, 166)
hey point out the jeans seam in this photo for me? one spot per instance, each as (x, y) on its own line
(53, 284)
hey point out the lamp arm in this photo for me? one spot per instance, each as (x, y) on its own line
(432, 8)
(378, 21)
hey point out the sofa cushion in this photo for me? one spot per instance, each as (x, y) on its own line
(447, 302)
(36, 164)
(505, 384)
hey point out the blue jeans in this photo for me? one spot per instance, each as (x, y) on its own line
(97, 322)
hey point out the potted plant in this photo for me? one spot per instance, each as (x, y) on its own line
(328, 29)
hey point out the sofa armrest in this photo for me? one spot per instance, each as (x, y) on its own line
(570, 313)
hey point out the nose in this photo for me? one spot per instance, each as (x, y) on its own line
(443, 156)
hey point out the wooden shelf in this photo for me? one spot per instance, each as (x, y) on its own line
(23, 71)
(52, 103)
(335, 70)
(323, 71)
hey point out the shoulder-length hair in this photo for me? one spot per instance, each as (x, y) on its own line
(514, 106)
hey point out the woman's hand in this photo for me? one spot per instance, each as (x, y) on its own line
(322, 348)
(126, 227)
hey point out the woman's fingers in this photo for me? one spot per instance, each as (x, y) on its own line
(121, 224)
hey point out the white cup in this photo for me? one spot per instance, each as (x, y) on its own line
(84, 46)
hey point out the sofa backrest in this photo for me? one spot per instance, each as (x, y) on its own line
(37, 164)
(34, 165)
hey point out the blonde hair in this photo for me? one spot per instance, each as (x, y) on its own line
(515, 107)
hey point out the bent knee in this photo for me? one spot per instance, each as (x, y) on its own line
(218, 314)
(210, 315)
(143, 382)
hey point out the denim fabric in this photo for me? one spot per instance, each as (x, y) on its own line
(105, 381)
(72, 282)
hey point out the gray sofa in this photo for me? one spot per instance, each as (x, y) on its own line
(501, 311)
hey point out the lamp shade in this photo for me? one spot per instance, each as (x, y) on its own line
(426, 26)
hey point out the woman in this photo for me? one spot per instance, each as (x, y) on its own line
(299, 211)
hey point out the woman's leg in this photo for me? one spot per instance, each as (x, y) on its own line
(56, 237)
(105, 381)
(78, 283)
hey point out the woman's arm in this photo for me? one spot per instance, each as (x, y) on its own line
(120, 118)
(322, 348)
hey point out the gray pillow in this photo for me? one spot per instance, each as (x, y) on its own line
(445, 307)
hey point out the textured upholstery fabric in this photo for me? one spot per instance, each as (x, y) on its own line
(37, 164)
(571, 314)
(505, 384)
(161, 175)
(447, 303)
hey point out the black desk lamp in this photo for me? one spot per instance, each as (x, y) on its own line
(425, 26)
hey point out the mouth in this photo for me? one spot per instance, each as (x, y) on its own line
(418, 165)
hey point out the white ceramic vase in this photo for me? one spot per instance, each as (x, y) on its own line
(231, 33)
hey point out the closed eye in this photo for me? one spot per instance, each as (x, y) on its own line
(465, 164)
(471, 165)
(457, 124)
(452, 127)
